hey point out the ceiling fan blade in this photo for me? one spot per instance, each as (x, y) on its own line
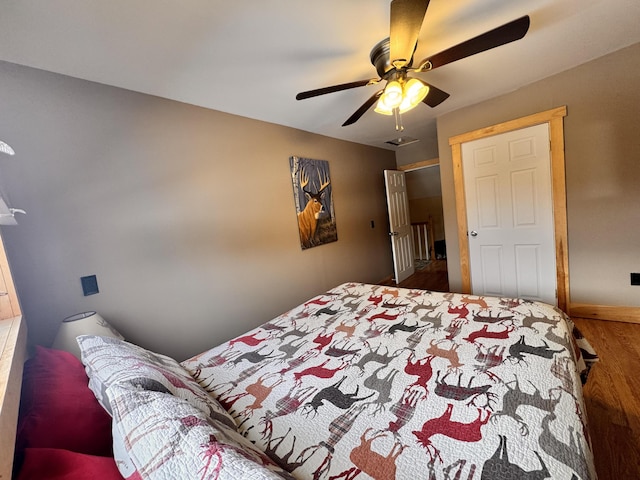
(363, 108)
(406, 21)
(507, 33)
(435, 96)
(335, 88)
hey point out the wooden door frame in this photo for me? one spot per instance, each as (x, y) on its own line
(555, 119)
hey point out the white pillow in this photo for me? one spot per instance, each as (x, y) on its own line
(162, 437)
(110, 361)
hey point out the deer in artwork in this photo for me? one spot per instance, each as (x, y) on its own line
(403, 410)
(375, 356)
(318, 371)
(454, 329)
(521, 347)
(335, 396)
(390, 291)
(462, 392)
(424, 306)
(489, 358)
(443, 425)
(403, 327)
(286, 405)
(346, 329)
(515, 398)
(374, 464)
(317, 301)
(571, 454)
(338, 428)
(480, 301)
(530, 319)
(308, 218)
(499, 466)
(323, 340)
(381, 385)
(420, 368)
(485, 333)
(375, 299)
(383, 316)
(373, 331)
(291, 348)
(461, 310)
(259, 390)
(451, 354)
(342, 349)
(252, 340)
(295, 362)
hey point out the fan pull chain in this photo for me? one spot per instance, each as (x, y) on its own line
(398, 116)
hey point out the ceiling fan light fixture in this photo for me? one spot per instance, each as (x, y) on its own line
(393, 95)
(393, 59)
(414, 92)
(382, 109)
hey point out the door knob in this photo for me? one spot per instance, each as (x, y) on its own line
(473, 233)
(393, 234)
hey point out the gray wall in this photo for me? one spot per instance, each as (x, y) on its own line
(425, 149)
(602, 146)
(186, 215)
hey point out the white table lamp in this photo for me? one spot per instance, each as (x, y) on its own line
(86, 323)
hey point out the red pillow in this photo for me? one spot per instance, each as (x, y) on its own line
(57, 409)
(55, 464)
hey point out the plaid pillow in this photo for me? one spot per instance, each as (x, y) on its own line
(160, 436)
(110, 361)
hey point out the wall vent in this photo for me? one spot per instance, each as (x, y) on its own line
(402, 141)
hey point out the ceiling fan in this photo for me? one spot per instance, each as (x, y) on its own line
(393, 60)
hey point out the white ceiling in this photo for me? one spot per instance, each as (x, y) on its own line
(251, 57)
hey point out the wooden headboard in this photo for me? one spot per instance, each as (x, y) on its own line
(13, 353)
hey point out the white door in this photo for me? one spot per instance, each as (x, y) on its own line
(400, 224)
(507, 181)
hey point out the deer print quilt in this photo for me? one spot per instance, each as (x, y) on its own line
(371, 382)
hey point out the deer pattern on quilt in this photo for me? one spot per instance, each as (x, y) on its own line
(371, 382)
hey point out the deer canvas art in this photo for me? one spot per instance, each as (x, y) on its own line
(314, 203)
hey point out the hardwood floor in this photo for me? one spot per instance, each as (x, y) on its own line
(612, 396)
(612, 392)
(432, 277)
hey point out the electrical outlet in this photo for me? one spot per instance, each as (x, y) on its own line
(635, 279)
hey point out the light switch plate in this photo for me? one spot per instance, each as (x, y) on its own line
(89, 285)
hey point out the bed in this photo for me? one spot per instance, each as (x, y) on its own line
(363, 381)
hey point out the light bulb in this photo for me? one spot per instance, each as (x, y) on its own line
(392, 95)
(382, 108)
(414, 92)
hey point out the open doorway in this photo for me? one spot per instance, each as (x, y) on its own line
(425, 205)
(422, 213)
(424, 193)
